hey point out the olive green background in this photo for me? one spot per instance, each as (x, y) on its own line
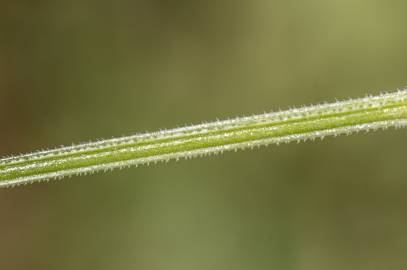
(78, 70)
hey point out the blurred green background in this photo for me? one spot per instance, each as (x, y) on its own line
(77, 70)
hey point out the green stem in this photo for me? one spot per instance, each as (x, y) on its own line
(346, 117)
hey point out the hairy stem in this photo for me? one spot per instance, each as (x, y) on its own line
(345, 117)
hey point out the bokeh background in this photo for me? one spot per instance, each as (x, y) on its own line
(77, 70)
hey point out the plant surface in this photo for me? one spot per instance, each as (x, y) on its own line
(300, 124)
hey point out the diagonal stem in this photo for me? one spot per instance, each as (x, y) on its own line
(345, 117)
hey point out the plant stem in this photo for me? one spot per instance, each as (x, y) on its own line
(345, 117)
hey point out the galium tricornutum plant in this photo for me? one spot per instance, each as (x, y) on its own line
(301, 124)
